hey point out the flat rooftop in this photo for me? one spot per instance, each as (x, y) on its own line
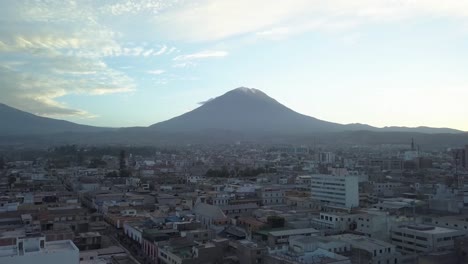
(50, 247)
(362, 242)
(428, 229)
(292, 232)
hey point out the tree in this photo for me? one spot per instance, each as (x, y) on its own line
(275, 221)
(97, 163)
(112, 174)
(11, 180)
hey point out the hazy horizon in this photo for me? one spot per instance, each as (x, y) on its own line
(136, 63)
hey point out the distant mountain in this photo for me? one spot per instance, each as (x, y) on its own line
(422, 129)
(252, 111)
(247, 110)
(242, 114)
(17, 122)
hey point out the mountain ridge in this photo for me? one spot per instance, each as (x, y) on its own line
(245, 110)
(220, 113)
(18, 122)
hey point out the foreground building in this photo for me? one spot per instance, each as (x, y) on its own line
(36, 250)
(424, 238)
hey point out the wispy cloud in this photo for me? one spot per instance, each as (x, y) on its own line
(184, 64)
(202, 55)
(156, 72)
(59, 58)
(212, 20)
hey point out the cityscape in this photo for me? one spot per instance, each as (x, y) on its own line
(234, 203)
(233, 132)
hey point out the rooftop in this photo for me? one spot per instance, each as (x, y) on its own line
(428, 229)
(363, 242)
(292, 232)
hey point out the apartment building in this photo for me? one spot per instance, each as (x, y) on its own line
(339, 190)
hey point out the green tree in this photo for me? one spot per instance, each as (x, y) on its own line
(275, 221)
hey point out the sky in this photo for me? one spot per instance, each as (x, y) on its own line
(138, 62)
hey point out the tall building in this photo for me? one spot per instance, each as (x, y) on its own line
(466, 157)
(339, 190)
(36, 250)
(460, 157)
(327, 157)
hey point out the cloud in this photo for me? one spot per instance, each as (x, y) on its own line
(204, 102)
(211, 20)
(48, 51)
(36, 87)
(136, 7)
(202, 55)
(161, 51)
(156, 72)
(185, 64)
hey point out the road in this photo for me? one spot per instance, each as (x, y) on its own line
(130, 255)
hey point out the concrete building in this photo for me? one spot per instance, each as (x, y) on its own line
(29, 250)
(336, 221)
(271, 196)
(210, 215)
(366, 250)
(191, 253)
(276, 239)
(341, 191)
(249, 252)
(424, 238)
(466, 156)
(311, 249)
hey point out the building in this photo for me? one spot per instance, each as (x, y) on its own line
(36, 250)
(460, 157)
(327, 157)
(424, 238)
(466, 157)
(366, 250)
(249, 252)
(186, 252)
(210, 215)
(341, 191)
(310, 250)
(336, 221)
(280, 238)
(271, 196)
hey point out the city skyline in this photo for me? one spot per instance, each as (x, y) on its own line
(136, 63)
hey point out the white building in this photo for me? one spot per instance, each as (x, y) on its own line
(36, 250)
(271, 196)
(369, 250)
(6, 206)
(341, 191)
(424, 238)
(134, 231)
(336, 221)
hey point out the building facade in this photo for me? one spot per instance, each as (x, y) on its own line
(341, 191)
